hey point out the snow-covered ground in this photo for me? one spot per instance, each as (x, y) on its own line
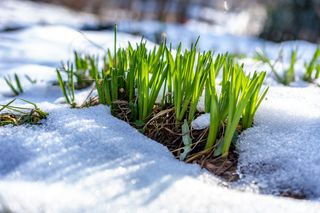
(20, 14)
(282, 151)
(85, 160)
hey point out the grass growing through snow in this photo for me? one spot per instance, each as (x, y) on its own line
(161, 89)
(188, 72)
(16, 115)
(31, 81)
(83, 70)
(15, 85)
(313, 67)
(130, 71)
(67, 88)
(80, 74)
(288, 76)
(238, 97)
(255, 100)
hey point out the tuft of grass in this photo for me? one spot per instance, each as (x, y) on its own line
(255, 100)
(238, 98)
(134, 75)
(15, 85)
(16, 115)
(68, 87)
(32, 81)
(111, 80)
(84, 70)
(313, 67)
(188, 71)
(288, 75)
(216, 102)
(151, 74)
(143, 86)
(240, 94)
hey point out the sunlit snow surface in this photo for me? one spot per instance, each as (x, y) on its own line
(85, 160)
(282, 151)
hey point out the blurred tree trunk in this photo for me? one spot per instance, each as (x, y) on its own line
(182, 10)
(162, 13)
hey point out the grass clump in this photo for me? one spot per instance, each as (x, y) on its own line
(158, 91)
(129, 72)
(151, 73)
(255, 100)
(238, 98)
(188, 72)
(288, 76)
(15, 85)
(16, 115)
(313, 67)
(68, 87)
(80, 74)
(83, 72)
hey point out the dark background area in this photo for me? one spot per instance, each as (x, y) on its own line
(292, 19)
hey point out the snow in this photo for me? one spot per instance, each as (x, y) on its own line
(85, 160)
(282, 150)
(50, 44)
(201, 122)
(219, 42)
(81, 161)
(20, 14)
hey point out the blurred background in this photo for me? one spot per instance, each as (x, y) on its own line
(275, 20)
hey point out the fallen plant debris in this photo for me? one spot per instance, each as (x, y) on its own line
(16, 115)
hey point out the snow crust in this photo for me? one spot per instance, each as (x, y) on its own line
(281, 151)
(85, 160)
